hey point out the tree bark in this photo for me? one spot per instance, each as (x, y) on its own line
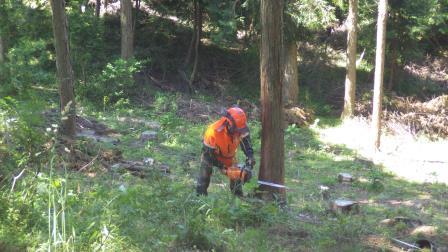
(197, 42)
(291, 78)
(193, 35)
(379, 73)
(97, 8)
(64, 68)
(271, 75)
(393, 64)
(127, 32)
(2, 50)
(350, 77)
(137, 10)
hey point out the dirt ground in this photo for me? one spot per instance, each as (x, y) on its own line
(412, 158)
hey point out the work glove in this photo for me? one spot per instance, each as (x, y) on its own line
(250, 162)
(248, 175)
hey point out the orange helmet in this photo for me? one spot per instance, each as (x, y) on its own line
(237, 121)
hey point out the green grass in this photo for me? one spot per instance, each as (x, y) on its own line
(102, 210)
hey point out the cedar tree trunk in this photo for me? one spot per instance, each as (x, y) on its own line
(64, 68)
(127, 32)
(350, 77)
(2, 49)
(97, 8)
(291, 78)
(379, 72)
(272, 142)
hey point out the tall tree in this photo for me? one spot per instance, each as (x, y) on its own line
(272, 142)
(350, 77)
(97, 8)
(127, 31)
(197, 40)
(64, 68)
(290, 71)
(3, 24)
(2, 55)
(379, 72)
(296, 30)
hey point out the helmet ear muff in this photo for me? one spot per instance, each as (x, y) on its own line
(232, 127)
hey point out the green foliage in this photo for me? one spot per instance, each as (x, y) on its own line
(50, 208)
(87, 41)
(28, 65)
(114, 85)
(312, 15)
(223, 19)
(20, 140)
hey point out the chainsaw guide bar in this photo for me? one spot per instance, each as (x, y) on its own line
(271, 184)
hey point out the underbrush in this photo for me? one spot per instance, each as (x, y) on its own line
(55, 208)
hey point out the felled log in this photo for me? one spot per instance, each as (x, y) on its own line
(298, 116)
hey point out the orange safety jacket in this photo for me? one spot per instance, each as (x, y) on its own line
(224, 144)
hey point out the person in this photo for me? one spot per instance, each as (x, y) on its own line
(220, 144)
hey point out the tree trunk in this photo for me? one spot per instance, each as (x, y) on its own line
(127, 32)
(2, 50)
(379, 72)
(193, 36)
(272, 142)
(137, 10)
(350, 77)
(64, 68)
(97, 8)
(291, 78)
(393, 65)
(197, 42)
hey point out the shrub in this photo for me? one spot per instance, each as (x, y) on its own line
(114, 85)
(28, 64)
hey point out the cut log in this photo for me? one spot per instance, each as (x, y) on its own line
(345, 206)
(298, 116)
(148, 135)
(425, 231)
(408, 221)
(345, 178)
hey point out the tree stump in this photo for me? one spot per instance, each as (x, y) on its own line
(345, 206)
(325, 192)
(148, 135)
(345, 178)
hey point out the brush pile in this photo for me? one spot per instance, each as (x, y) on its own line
(302, 117)
(406, 114)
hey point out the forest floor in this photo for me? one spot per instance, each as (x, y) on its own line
(399, 190)
(407, 156)
(132, 189)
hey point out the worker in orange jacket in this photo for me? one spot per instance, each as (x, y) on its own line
(220, 143)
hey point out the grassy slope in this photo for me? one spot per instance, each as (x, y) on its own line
(118, 211)
(121, 212)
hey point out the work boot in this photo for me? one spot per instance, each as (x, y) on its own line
(236, 186)
(202, 185)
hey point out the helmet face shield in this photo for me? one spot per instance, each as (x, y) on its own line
(243, 131)
(237, 120)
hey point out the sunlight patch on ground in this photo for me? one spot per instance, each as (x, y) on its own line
(414, 159)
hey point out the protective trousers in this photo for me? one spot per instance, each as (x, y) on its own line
(208, 161)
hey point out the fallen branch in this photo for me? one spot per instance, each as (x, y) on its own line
(88, 164)
(15, 179)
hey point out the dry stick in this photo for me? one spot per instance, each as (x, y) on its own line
(89, 163)
(405, 244)
(16, 178)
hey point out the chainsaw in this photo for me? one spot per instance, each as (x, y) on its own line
(238, 172)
